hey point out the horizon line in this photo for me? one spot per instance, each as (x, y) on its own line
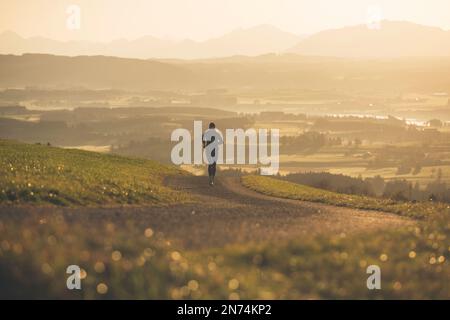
(169, 39)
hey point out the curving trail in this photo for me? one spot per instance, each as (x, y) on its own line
(230, 213)
(227, 213)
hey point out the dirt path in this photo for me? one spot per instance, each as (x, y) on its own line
(229, 213)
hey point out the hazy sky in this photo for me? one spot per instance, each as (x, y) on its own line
(105, 20)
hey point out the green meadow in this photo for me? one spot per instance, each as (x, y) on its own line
(40, 174)
(122, 258)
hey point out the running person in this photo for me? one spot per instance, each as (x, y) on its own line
(212, 135)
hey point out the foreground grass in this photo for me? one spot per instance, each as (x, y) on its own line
(413, 261)
(289, 190)
(122, 259)
(119, 258)
(46, 175)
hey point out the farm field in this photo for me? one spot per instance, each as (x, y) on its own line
(357, 163)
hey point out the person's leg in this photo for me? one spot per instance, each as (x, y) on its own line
(211, 173)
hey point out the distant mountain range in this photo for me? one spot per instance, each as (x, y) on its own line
(249, 42)
(393, 39)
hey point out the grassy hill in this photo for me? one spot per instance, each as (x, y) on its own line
(289, 190)
(92, 72)
(121, 257)
(37, 174)
(287, 72)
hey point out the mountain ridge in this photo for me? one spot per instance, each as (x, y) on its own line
(392, 39)
(250, 41)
